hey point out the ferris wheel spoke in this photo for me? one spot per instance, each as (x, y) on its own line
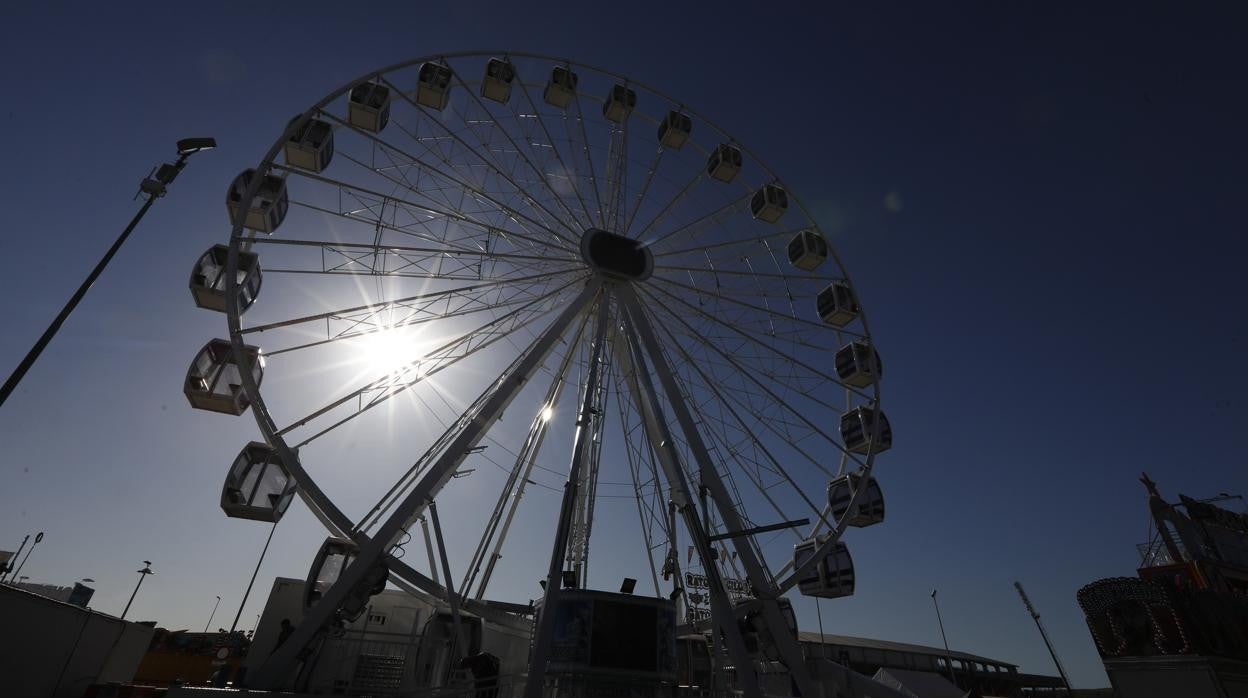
(744, 428)
(701, 250)
(431, 118)
(720, 271)
(524, 89)
(589, 159)
(645, 189)
(417, 207)
(476, 253)
(440, 357)
(496, 124)
(617, 174)
(754, 392)
(403, 182)
(452, 138)
(670, 206)
(365, 259)
(413, 316)
(766, 311)
(757, 342)
(377, 225)
(435, 171)
(748, 374)
(481, 188)
(397, 302)
(715, 217)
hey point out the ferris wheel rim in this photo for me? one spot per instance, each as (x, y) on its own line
(321, 505)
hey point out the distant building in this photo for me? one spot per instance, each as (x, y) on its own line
(990, 677)
(52, 649)
(78, 594)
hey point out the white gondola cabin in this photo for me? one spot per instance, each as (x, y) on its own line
(836, 304)
(433, 86)
(208, 279)
(724, 163)
(335, 555)
(858, 427)
(830, 578)
(620, 103)
(561, 89)
(268, 207)
(368, 107)
(870, 507)
(499, 74)
(769, 203)
(258, 486)
(330, 562)
(311, 146)
(675, 129)
(214, 381)
(858, 364)
(807, 250)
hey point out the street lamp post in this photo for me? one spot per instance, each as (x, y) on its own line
(154, 187)
(147, 569)
(38, 538)
(214, 612)
(234, 625)
(8, 566)
(948, 655)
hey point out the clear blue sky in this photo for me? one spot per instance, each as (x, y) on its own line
(1056, 282)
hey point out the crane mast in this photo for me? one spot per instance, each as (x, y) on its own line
(1043, 634)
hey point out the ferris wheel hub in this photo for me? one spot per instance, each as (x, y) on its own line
(616, 256)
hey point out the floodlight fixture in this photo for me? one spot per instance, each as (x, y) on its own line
(190, 146)
(628, 585)
(153, 187)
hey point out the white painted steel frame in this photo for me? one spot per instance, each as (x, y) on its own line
(337, 522)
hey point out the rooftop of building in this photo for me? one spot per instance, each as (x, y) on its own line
(851, 641)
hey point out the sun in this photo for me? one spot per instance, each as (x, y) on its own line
(388, 351)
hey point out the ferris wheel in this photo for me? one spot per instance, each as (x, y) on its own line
(514, 281)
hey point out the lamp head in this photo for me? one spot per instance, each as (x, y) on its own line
(190, 146)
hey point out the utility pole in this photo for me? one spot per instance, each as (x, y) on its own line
(147, 569)
(154, 187)
(1052, 653)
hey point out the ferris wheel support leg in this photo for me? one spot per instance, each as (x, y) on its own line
(272, 673)
(788, 647)
(664, 447)
(536, 681)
